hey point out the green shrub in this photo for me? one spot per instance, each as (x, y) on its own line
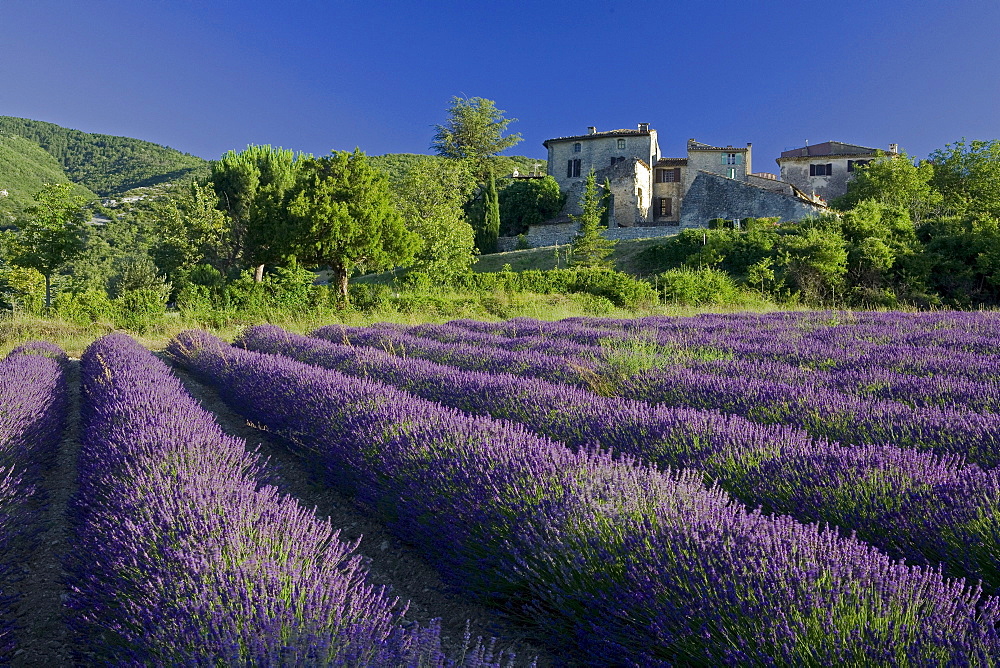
(137, 310)
(84, 308)
(620, 289)
(693, 287)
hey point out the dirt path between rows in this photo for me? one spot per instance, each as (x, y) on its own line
(389, 562)
(42, 637)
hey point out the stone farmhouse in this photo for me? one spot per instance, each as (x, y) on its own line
(824, 169)
(654, 195)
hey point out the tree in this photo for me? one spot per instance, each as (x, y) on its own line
(526, 202)
(251, 187)
(49, 234)
(432, 194)
(189, 228)
(968, 177)
(815, 260)
(893, 180)
(488, 225)
(590, 248)
(344, 217)
(474, 131)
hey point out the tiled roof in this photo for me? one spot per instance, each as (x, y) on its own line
(672, 161)
(601, 135)
(828, 148)
(698, 146)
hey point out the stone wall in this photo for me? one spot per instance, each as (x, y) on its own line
(713, 196)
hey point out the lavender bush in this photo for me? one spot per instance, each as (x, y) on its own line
(185, 558)
(614, 561)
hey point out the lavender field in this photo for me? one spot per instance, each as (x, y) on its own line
(815, 488)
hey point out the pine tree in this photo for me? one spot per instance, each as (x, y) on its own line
(590, 248)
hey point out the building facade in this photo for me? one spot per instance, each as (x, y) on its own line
(649, 190)
(823, 170)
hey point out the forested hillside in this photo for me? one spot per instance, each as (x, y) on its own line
(106, 164)
(24, 168)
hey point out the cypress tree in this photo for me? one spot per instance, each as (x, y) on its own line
(488, 229)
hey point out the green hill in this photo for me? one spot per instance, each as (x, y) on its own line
(106, 164)
(24, 168)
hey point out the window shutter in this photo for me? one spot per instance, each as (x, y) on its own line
(829, 169)
(670, 206)
(739, 159)
(812, 170)
(569, 169)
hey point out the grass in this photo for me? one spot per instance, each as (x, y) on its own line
(437, 307)
(625, 256)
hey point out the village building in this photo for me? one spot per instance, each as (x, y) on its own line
(649, 190)
(823, 170)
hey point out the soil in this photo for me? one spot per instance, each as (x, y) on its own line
(42, 636)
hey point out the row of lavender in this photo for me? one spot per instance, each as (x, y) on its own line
(33, 408)
(887, 370)
(773, 392)
(184, 557)
(912, 504)
(608, 557)
(963, 345)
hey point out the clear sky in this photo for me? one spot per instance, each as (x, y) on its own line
(205, 77)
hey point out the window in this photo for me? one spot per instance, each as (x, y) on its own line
(666, 207)
(668, 175)
(615, 161)
(640, 197)
(851, 164)
(576, 147)
(730, 158)
(821, 170)
(572, 168)
(621, 143)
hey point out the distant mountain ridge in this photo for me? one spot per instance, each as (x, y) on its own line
(108, 165)
(33, 153)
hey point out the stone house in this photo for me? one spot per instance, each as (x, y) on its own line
(823, 170)
(650, 190)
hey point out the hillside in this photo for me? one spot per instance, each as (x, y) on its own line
(24, 168)
(106, 164)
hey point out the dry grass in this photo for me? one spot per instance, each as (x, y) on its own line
(73, 338)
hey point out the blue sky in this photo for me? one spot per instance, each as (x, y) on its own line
(206, 77)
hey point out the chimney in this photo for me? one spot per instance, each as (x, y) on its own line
(643, 127)
(591, 130)
(893, 148)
